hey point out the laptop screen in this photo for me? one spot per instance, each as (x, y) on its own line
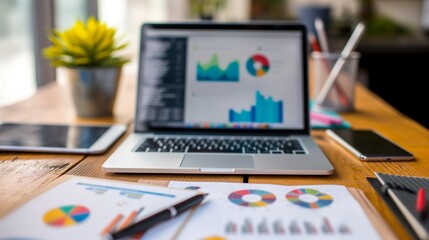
(222, 76)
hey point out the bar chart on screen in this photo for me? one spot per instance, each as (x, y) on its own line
(265, 110)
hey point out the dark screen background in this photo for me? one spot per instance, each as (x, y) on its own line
(57, 136)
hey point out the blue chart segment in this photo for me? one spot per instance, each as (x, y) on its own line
(266, 110)
(212, 71)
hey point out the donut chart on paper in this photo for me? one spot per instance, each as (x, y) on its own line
(257, 65)
(296, 197)
(261, 198)
(66, 216)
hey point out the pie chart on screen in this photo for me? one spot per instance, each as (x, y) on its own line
(258, 65)
(66, 216)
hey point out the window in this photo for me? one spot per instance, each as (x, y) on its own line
(24, 25)
(17, 67)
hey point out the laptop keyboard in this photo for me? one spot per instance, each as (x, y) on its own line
(222, 145)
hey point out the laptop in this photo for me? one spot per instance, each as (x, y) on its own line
(222, 98)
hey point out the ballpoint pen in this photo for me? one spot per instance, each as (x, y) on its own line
(157, 217)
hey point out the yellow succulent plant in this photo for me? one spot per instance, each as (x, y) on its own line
(86, 44)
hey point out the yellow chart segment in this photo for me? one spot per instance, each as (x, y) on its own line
(258, 204)
(325, 197)
(214, 238)
(58, 217)
(260, 72)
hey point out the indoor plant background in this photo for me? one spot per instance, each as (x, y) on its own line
(88, 52)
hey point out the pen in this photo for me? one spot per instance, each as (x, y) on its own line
(317, 48)
(158, 217)
(345, 53)
(320, 28)
(111, 225)
(130, 218)
(421, 203)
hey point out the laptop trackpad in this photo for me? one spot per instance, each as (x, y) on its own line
(217, 161)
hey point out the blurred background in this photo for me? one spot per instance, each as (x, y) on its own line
(394, 48)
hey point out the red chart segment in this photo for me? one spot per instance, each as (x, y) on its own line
(296, 197)
(252, 198)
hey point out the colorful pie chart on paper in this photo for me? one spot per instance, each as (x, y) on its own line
(66, 216)
(252, 198)
(258, 65)
(309, 198)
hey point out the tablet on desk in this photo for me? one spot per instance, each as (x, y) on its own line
(56, 138)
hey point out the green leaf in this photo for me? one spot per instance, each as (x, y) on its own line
(90, 43)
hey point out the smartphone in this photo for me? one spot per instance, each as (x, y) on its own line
(369, 145)
(55, 138)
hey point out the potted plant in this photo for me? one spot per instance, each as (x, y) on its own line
(88, 52)
(207, 9)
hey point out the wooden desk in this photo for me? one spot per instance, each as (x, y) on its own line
(22, 173)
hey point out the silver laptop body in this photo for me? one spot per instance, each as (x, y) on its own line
(222, 98)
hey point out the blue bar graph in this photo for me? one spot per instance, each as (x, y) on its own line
(266, 110)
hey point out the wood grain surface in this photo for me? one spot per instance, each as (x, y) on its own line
(22, 173)
(370, 112)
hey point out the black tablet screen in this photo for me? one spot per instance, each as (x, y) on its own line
(55, 136)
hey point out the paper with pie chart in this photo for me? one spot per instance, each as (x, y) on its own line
(80, 208)
(267, 211)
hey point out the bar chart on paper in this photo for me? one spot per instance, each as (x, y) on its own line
(278, 227)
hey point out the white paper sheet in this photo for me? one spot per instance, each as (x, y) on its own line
(264, 211)
(80, 208)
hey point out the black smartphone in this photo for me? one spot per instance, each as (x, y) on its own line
(369, 145)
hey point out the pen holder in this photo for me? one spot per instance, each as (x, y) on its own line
(342, 93)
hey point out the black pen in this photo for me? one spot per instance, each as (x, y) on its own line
(157, 217)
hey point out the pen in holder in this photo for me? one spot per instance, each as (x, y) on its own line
(341, 96)
(343, 71)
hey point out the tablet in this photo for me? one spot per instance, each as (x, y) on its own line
(56, 138)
